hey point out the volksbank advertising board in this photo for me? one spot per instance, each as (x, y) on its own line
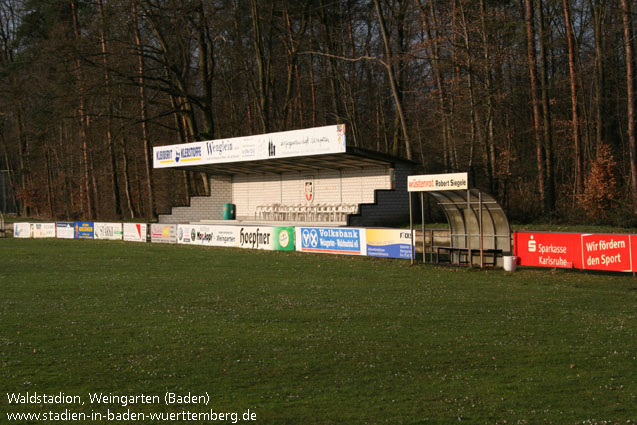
(312, 141)
(331, 240)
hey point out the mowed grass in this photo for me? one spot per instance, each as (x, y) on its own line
(315, 339)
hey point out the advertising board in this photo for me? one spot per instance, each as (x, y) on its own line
(331, 240)
(110, 231)
(540, 249)
(268, 238)
(581, 251)
(43, 230)
(388, 243)
(207, 235)
(437, 182)
(84, 230)
(163, 233)
(65, 230)
(135, 232)
(22, 230)
(606, 252)
(311, 141)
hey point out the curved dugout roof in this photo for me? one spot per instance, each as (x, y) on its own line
(464, 219)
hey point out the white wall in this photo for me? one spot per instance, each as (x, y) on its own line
(348, 186)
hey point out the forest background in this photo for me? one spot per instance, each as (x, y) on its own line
(534, 98)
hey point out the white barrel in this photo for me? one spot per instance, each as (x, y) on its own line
(509, 263)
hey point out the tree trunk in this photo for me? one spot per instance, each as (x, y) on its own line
(490, 149)
(539, 151)
(579, 169)
(472, 101)
(547, 132)
(630, 91)
(392, 79)
(143, 115)
(83, 116)
(263, 68)
(117, 207)
(599, 72)
(433, 34)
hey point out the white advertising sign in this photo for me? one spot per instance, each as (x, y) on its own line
(312, 141)
(135, 232)
(268, 238)
(438, 182)
(65, 230)
(22, 230)
(43, 230)
(331, 240)
(207, 235)
(163, 233)
(111, 231)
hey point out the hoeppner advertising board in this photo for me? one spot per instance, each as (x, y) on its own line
(331, 240)
(268, 238)
(581, 251)
(388, 243)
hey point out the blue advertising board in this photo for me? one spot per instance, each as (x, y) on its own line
(389, 243)
(331, 240)
(84, 230)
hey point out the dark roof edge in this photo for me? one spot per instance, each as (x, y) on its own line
(379, 156)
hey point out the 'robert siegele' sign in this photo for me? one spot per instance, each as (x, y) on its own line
(438, 182)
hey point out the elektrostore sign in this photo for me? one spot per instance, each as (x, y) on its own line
(331, 240)
(312, 141)
(438, 182)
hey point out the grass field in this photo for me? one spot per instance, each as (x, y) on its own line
(313, 339)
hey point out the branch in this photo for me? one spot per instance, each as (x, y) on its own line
(346, 59)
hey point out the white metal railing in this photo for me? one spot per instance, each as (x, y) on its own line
(321, 212)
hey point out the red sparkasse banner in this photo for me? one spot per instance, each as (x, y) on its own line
(607, 252)
(578, 250)
(543, 249)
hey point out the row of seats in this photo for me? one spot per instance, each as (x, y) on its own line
(305, 212)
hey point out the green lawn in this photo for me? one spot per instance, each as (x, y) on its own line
(314, 339)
